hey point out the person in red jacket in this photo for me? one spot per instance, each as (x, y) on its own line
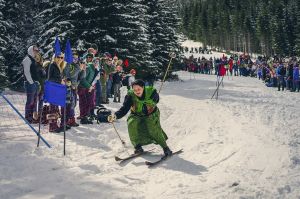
(222, 69)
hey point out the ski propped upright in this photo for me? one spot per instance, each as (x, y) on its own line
(132, 156)
(163, 158)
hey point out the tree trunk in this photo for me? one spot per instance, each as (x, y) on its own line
(249, 44)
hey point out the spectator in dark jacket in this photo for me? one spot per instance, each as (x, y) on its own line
(296, 78)
(117, 80)
(55, 69)
(290, 77)
(280, 72)
(70, 75)
(55, 74)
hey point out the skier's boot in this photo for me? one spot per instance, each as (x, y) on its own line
(138, 149)
(167, 151)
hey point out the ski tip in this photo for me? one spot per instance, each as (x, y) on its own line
(148, 163)
(117, 158)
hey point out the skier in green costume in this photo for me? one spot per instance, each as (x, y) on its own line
(144, 119)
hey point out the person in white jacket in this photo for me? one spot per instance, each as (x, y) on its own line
(31, 83)
(131, 78)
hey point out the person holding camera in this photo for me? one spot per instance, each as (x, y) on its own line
(86, 91)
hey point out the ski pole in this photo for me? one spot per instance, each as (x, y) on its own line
(172, 55)
(217, 90)
(122, 141)
(40, 108)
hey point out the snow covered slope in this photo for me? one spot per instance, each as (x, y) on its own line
(245, 145)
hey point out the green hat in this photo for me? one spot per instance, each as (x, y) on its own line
(90, 55)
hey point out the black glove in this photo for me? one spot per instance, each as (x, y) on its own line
(144, 109)
(155, 97)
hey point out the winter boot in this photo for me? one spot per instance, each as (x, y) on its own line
(33, 121)
(53, 126)
(92, 116)
(79, 117)
(85, 120)
(59, 130)
(138, 149)
(45, 112)
(167, 151)
(71, 122)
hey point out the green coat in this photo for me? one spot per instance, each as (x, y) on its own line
(107, 70)
(145, 129)
(88, 80)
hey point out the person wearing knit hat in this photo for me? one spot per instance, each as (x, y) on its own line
(86, 91)
(144, 120)
(90, 55)
(131, 78)
(107, 55)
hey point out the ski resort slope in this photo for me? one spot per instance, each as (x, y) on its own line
(246, 144)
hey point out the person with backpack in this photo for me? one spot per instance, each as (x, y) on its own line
(144, 120)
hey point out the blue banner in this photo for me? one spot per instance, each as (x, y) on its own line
(55, 93)
(57, 48)
(68, 53)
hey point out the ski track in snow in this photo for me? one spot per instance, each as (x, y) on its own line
(243, 145)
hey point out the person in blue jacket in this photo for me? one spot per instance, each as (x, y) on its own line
(296, 81)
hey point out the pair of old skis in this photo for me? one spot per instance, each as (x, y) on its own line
(150, 164)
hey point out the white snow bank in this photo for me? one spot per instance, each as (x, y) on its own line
(245, 145)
